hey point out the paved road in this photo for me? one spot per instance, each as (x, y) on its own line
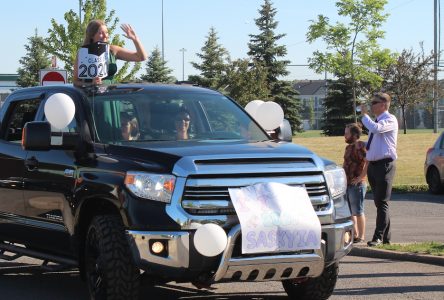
(360, 278)
(415, 217)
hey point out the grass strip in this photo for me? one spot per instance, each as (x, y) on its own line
(413, 188)
(430, 248)
(412, 149)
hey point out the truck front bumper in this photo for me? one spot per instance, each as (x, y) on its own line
(179, 263)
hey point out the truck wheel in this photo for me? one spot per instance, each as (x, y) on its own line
(314, 288)
(110, 271)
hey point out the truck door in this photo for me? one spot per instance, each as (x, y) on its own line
(15, 114)
(48, 187)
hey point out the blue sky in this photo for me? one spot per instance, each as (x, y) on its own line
(187, 22)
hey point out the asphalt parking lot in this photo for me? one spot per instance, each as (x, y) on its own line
(415, 217)
(359, 278)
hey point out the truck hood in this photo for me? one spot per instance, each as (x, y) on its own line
(217, 147)
(168, 153)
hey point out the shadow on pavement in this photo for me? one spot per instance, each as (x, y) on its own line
(364, 262)
(170, 292)
(389, 290)
(380, 275)
(33, 284)
(24, 282)
(412, 197)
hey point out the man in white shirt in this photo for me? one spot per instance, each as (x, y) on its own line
(381, 154)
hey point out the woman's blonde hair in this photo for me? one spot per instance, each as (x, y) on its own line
(91, 30)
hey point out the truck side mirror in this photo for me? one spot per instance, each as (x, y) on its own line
(36, 136)
(285, 133)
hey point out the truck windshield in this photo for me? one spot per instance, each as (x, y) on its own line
(169, 116)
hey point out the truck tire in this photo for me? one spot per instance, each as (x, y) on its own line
(314, 288)
(109, 268)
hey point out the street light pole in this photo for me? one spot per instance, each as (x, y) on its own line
(163, 53)
(80, 12)
(183, 63)
(435, 67)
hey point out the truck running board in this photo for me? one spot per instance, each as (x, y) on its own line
(18, 251)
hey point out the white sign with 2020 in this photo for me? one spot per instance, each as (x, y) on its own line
(93, 61)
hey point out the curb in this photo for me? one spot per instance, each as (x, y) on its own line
(365, 251)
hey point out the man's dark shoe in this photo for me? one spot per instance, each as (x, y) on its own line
(374, 243)
(386, 242)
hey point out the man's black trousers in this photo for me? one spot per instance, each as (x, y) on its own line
(380, 176)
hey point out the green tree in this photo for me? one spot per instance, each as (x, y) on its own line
(338, 109)
(287, 97)
(264, 50)
(410, 118)
(409, 80)
(263, 47)
(244, 82)
(64, 41)
(307, 112)
(36, 58)
(428, 117)
(212, 66)
(156, 69)
(352, 47)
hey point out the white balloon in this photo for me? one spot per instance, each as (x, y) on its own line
(252, 107)
(269, 115)
(210, 240)
(59, 110)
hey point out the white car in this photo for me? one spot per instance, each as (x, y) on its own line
(434, 166)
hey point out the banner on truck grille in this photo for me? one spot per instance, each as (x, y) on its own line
(275, 217)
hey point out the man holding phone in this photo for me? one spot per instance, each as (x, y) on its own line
(381, 154)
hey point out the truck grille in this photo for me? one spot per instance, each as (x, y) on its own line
(210, 196)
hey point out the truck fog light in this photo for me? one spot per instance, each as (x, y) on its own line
(159, 247)
(347, 238)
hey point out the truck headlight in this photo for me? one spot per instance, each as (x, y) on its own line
(336, 180)
(158, 187)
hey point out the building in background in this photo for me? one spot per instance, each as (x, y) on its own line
(8, 83)
(312, 94)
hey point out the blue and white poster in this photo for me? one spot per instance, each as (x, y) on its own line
(275, 217)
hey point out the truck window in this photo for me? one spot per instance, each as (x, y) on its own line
(125, 118)
(111, 117)
(22, 112)
(72, 127)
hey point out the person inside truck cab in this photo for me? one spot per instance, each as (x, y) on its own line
(182, 124)
(129, 127)
(96, 31)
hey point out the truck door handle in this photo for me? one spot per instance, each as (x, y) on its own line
(31, 163)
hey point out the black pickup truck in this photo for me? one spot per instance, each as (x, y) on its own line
(123, 209)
